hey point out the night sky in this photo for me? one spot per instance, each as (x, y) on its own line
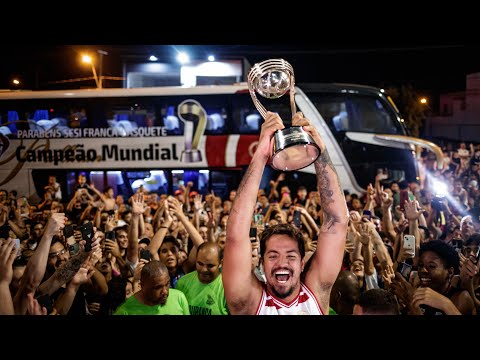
(432, 68)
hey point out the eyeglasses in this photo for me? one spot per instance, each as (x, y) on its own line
(58, 253)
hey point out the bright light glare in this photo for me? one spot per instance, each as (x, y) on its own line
(440, 189)
(153, 58)
(423, 100)
(183, 58)
(16, 82)
(87, 59)
(211, 58)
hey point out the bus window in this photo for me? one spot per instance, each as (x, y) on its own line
(247, 119)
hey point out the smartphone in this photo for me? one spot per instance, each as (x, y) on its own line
(258, 219)
(253, 233)
(403, 199)
(110, 235)
(297, 218)
(145, 254)
(367, 214)
(87, 235)
(404, 269)
(409, 242)
(17, 245)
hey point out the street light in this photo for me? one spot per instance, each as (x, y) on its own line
(88, 60)
(100, 66)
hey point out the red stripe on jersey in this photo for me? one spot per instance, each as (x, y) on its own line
(271, 302)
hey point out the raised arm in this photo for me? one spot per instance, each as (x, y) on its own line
(37, 264)
(327, 260)
(138, 207)
(8, 253)
(242, 290)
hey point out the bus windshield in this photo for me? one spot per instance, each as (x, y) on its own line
(359, 113)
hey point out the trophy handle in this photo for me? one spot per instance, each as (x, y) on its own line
(261, 109)
(293, 107)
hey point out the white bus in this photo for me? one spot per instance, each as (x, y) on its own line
(125, 138)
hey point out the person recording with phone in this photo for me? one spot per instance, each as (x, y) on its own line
(437, 293)
(469, 268)
(281, 246)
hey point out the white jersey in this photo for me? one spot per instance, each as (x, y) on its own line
(304, 304)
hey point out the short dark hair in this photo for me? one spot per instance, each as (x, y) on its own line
(378, 302)
(171, 239)
(473, 240)
(446, 252)
(145, 241)
(282, 229)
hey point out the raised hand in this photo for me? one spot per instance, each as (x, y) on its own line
(197, 202)
(386, 200)
(112, 247)
(138, 206)
(272, 123)
(55, 223)
(411, 210)
(8, 252)
(299, 120)
(34, 307)
(83, 275)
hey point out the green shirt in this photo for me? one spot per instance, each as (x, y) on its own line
(176, 304)
(203, 299)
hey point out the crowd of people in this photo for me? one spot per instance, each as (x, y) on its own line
(278, 250)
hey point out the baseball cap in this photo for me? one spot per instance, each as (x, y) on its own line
(473, 183)
(193, 193)
(178, 192)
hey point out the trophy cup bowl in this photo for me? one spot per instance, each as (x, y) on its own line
(293, 147)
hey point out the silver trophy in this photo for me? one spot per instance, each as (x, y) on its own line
(293, 147)
(187, 109)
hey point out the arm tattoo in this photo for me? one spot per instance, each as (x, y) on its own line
(324, 188)
(63, 274)
(245, 178)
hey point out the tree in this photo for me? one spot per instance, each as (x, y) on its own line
(412, 111)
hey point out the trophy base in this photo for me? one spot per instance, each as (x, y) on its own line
(190, 156)
(293, 149)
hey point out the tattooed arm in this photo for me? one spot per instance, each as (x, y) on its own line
(327, 259)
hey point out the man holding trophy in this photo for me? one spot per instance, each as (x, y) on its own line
(281, 246)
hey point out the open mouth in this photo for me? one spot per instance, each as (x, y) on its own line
(282, 276)
(424, 281)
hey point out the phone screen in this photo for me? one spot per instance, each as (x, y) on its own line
(87, 235)
(297, 220)
(145, 254)
(403, 198)
(404, 269)
(253, 232)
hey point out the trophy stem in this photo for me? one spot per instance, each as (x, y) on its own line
(293, 107)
